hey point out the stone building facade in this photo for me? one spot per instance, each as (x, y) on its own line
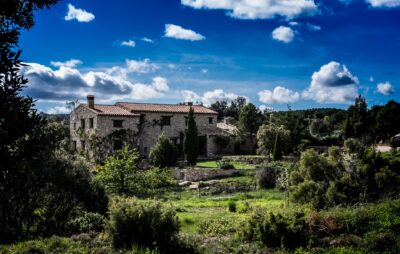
(90, 123)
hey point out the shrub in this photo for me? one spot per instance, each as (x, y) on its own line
(268, 174)
(86, 223)
(276, 230)
(266, 178)
(215, 227)
(164, 153)
(225, 165)
(140, 223)
(232, 206)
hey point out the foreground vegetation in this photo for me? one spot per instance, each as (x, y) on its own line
(342, 199)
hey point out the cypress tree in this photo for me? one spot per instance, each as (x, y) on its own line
(277, 155)
(191, 140)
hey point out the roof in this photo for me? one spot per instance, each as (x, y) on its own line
(109, 110)
(164, 108)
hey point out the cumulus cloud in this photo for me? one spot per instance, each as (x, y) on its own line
(333, 83)
(68, 83)
(180, 33)
(384, 3)
(204, 71)
(72, 63)
(283, 33)
(385, 88)
(78, 14)
(260, 9)
(278, 95)
(128, 43)
(208, 97)
(133, 66)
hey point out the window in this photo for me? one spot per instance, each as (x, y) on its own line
(166, 120)
(210, 120)
(74, 126)
(145, 151)
(186, 120)
(117, 123)
(83, 145)
(83, 123)
(73, 145)
(118, 144)
(174, 140)
(91, 123)
(141, 119)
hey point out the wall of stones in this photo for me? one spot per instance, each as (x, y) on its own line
(102, 126)
(152, 128)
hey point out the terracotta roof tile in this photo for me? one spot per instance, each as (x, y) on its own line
(164, 108)
(110, 110)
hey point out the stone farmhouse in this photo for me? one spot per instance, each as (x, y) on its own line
(140, 124)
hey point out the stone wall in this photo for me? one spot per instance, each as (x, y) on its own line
(152, 128)
(102, 126)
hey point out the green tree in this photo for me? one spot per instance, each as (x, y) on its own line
(266, 136)
(191, 140)
(120, 173)
(27, 143)
(164, 153)
(249, 121)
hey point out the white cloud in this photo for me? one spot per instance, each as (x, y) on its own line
(313, 27)
(180, 33)
(208, 97)
(79, 14)
(385, 88)
(190, 96)
(278, 95)
(257, 9)
(294, 23)
(263, 108)
(283, 33)
(59, 110)
(67, 83)
(128, 43)
(333, 83)
(145, 39)
(371, 79)
(133, 66)
(70, 63)
(204, 71)
(160, 84)
(384, 3)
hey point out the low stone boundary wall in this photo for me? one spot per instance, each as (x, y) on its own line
(203, 174)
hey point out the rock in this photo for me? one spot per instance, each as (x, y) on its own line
(193, 187)
(184, 183)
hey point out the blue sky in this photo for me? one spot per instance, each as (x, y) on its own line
(304, 53)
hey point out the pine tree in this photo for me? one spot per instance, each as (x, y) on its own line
(191, 142)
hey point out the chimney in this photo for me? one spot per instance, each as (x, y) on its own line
(90, 101)
(190, 103)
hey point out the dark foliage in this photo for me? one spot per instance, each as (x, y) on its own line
(142, 223)
(191, 140)
(164, 153)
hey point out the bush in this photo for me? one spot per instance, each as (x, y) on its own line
(277, 230)
(232, 206)
(164, 153)
(140, 223)
(87, 222)
(225, 165)
(267, 176)
(216, 227)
